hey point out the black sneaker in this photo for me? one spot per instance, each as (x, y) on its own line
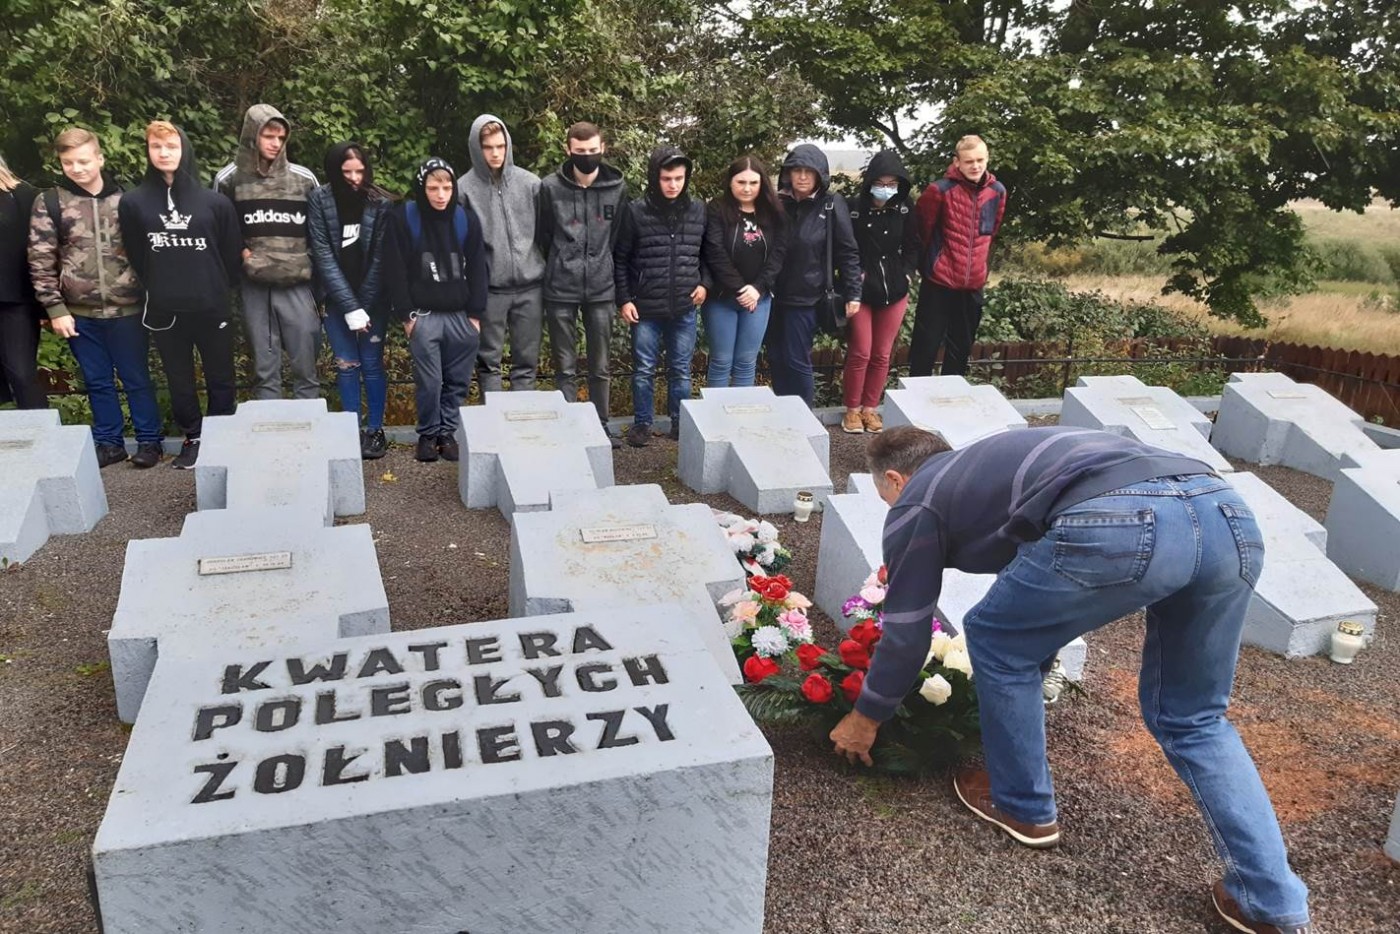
(147, 455)
(189, 453)
(614, 439)
(427, 450)
(447, 448)
(675, 433)
(639, 436)
(373, 445)
(109, 454)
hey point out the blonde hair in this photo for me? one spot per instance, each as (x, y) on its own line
(161, 128)
(490, 129)
(73, 137)
(9, 181)
(970, 141)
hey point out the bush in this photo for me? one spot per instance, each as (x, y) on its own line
(1355, 261)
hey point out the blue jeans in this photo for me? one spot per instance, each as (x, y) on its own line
(1189, 550)
(790, 334)
(650, 336)
(359, 359)
(734, 335)
(107, 344)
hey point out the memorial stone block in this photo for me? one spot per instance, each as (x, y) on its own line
(240, 580)
(952, 408)
(1301, 595)
(282, 452)
(850, 550)
(1154, 415)
(620, 546)
(1267, 418)
(519, 446)
(759, 448)
(49, 481)
(1392, 840)
(584, 773)
(1363, 520)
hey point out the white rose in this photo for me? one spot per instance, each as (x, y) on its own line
(766, 556)
(958, 660)
(959, 642)
(767, 532)
(936, 690)
(938, 647)
(742, 542)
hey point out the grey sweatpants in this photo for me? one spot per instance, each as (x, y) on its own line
(563, 340)
(282, 319)
(523, 313)
(443, 346)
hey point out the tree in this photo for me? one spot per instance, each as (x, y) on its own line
(1110, 117)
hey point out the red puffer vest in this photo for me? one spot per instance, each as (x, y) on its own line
(957, 222)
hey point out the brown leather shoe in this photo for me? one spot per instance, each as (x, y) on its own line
(974, 789)
(852, 424)
(1230, 910)
(872, 422)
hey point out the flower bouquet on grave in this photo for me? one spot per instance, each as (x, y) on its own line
(755, 543)
(765, 623)
(935, 726)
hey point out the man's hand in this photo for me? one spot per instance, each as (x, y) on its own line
(854, 736)
(747, 298)
(408, 327)
(64, 326)
(247, 254)
(697, 295)
(629, 313)
(476, 324)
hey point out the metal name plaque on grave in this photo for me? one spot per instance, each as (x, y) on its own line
(1285, 394)
(523, 415)
(1154, 417)
(237, 564)
(20, 444)
(282, 426)
(617, 533)
(748, 408)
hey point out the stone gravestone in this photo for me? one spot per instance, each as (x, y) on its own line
(517, 447)
(1154, 415)
(1363, 520)
(49, 482)
(240, 580)
(1301, 595)
(282, 452)
(951, 407)
(1392, 841)
(584, 773)
(1267, 418)
(759, 448)
(620, 546)
(850, 549)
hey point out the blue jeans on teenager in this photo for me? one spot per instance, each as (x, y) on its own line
(1189, 550)
(734, 335)
(359, 359)
(650, 337)
(790, 334)
(107, 344)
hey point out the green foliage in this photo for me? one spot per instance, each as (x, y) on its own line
(1204, 120)
(1355, 261)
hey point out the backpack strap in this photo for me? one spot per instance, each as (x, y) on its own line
(55, 212)
(415, 224)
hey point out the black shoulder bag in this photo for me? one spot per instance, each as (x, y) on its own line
(831, 310)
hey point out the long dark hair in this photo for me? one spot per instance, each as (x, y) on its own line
(767, 207)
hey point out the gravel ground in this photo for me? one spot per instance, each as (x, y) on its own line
(850, 852)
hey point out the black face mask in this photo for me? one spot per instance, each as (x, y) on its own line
(586, 164)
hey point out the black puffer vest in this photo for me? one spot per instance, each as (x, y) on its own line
(665, 263)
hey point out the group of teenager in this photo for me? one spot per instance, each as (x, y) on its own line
(465, 264)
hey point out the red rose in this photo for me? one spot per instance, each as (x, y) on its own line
(854, 654)
(809, 655)
(774, 591)
(850, 685)
(782, 579)
(757, 582)
(817, 689)
(883, 575)
(866, 633)
(757, 668)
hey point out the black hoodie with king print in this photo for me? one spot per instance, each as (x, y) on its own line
(182, 240)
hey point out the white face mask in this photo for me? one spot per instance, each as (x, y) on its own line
(880, 193)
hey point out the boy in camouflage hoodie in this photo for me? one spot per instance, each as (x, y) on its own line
(92, 297)
(279, 309)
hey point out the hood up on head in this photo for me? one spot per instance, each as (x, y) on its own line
(420, 181)
(336, 157)
(805, 156)
(474, 144)
(186, 175)
(663, 157)
(248, 159)
(885, 162)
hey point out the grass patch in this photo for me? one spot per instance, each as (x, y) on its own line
(95, 668)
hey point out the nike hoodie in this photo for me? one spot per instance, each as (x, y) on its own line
(182, 240)
(271, 204)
